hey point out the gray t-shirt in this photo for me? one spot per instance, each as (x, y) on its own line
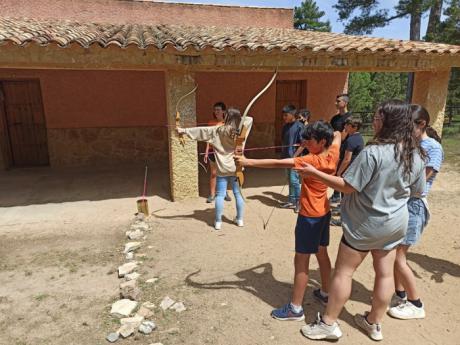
(376, 216)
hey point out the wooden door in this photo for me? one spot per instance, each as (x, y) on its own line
(25, 123)
(288, 92)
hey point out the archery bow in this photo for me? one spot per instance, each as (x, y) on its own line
(242, 130)
(181, 135)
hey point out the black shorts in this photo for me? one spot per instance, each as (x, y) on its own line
(211, 157)
(345, 242)
(311, 232)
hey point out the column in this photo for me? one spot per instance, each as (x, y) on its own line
(183, 160)
(430, 91)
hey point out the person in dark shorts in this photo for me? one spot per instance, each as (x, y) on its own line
(312, 229)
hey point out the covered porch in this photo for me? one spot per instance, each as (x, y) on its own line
(236, 62)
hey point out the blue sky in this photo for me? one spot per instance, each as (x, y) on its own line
(398, 29)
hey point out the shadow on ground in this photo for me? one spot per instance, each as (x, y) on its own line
(260, 282)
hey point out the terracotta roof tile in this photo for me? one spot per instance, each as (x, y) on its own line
(22, 31)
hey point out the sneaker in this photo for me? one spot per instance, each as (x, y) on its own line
(238, 222)
(319, 330)
(218, 225)
(285, 313)
(374, 331)
(407, 311)
(297, 207)
(287, 205)
(396, 300)
(318, 296)
(227, 197)
(210, 199)
(336, 222)
(334, 199)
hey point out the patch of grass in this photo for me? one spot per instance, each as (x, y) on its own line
(451, 146)
(41, 297)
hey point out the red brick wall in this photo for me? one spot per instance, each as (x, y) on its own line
(147, 12)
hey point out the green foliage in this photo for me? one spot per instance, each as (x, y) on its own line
(307, 17)
(388, 86)
(360, 85)
(367, 90)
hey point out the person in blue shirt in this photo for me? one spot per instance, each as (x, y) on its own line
(291, 138)
(407, 299)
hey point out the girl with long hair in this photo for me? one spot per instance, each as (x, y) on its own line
(377, 186)
(408, 303)
(222, 138)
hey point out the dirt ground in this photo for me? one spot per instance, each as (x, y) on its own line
(62, 233)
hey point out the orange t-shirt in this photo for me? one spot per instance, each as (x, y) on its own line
(313, 195)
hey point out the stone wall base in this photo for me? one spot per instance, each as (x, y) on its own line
(99, 146)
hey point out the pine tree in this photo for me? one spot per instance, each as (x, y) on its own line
(307, 17)
(360, 85)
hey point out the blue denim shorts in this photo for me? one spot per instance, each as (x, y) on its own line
(417, 221)
(310, 233)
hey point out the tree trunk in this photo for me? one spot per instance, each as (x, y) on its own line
(415, 23)
(434, 20)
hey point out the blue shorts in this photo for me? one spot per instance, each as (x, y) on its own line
(417, 221)
(311, 232)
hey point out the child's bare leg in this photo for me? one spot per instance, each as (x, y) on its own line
(346, 264)
(324, 267)
(212, 179)
(384, 262)
(301, 263)
(404, 277)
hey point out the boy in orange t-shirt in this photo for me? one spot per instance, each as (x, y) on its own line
(312, 229)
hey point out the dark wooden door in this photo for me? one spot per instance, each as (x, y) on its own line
(25, 123)
(288, 92)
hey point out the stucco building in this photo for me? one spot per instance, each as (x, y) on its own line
(97, 82)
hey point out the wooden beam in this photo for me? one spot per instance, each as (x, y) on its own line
(132, 58)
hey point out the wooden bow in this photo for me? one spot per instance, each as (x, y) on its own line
(181, 136)
(242, 130)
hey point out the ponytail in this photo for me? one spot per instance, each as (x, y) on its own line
(431, 132)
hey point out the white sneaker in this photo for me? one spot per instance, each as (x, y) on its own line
(374, 331)
(218, 225)
(407, 311)
(319, 330)
(238, 222)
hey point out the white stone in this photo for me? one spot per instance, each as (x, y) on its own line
(140, 226)
(179, 307)
(150, 247)
(148, 305)
(132, 276)
(112, 337)
(126, 330)
(156, 344)
(135, 235)
(152, 280)
(135, 320)
(129, 256)
(131, 247)
(147, 327)
(140, 216)
(126, 268)
(145, 312)
(166, 303)
(123, 308)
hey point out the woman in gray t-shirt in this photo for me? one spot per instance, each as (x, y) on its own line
(377, 186)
